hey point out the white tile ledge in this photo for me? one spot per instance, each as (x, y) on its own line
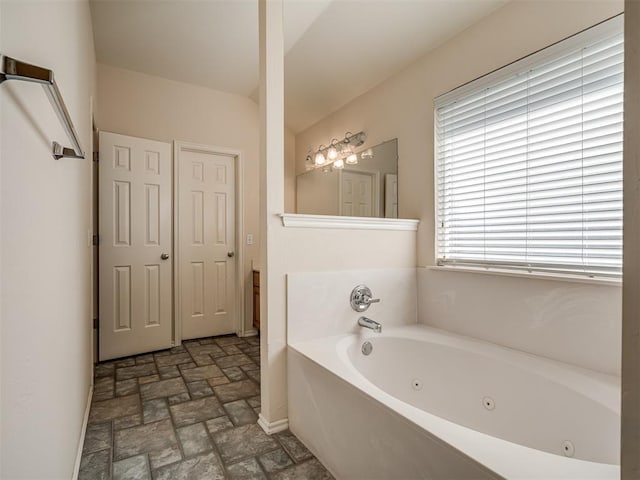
(362, 223)
(537, 275)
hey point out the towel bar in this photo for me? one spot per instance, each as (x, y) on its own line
(16, 70)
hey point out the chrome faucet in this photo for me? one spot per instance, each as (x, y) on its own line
(361, 298)
(371, 324)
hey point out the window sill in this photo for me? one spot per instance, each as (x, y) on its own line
(612, 282)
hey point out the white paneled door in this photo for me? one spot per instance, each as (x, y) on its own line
(135, 245)
(206, 239)
(357, 194)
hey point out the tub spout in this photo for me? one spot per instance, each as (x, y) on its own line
(368, 323)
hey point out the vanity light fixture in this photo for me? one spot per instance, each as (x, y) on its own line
(320, 158)
(337, 153)
(346, 150)
(332, 152)
(308, 161)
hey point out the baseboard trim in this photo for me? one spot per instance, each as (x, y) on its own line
(249, 333)
(273, 427)
(76, 467)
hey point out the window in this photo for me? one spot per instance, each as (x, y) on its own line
(529, 161)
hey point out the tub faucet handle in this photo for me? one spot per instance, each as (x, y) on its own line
(361, 298)
(369, 300)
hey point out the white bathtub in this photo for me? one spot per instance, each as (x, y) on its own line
(429, 404)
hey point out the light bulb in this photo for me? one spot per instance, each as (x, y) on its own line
(338, 164)
(332, 153)
(320, 158)
(368, 153)
(352, 159)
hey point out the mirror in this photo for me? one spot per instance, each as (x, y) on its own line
(368, 188)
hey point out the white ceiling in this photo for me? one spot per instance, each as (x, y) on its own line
(335, 49)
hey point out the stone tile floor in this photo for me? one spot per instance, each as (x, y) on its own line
(188, 413)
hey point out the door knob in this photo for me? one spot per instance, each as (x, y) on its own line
(230, 254)
(164, 256)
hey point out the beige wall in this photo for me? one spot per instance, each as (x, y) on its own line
(45, 209)
(402, 106)
(151, 107)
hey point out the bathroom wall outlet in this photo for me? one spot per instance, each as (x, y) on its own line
(249, 239)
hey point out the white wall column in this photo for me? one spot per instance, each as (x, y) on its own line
(273, 416)
(630, 468)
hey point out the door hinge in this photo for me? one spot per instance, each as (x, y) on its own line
(94, 240)
(96, 156)
(95, 323)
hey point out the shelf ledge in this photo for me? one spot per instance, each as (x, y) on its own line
(297, 220)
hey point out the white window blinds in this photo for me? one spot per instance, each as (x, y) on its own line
(529, 161)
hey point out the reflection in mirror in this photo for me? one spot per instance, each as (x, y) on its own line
(368, 188)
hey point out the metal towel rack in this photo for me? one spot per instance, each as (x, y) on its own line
(16, 70)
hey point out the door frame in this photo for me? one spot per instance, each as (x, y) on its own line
(238, 161)
(387, 176)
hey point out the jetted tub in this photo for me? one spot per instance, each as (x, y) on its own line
(429, 404)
